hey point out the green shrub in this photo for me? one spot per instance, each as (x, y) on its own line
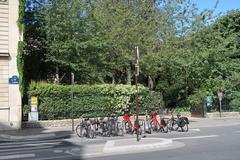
(183, 109)
(235, 102)
(196, 100)
(90, 100)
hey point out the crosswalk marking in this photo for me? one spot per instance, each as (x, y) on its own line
(28, 145)
(28, 142)
(54, 149)
(23, 149)
(17, 156)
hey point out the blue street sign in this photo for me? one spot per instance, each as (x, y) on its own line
(14, 80)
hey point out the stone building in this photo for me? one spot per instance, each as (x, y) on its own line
(10, 99)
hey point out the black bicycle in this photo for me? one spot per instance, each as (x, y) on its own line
(174, 124)
(85, 128)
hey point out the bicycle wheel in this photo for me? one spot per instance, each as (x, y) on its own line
(183, 125)
(119, 129)
(175, 125)
(80, 130)
(172, 125)
(91, 132)
(127, 128)
(153, 127)
(164, 125)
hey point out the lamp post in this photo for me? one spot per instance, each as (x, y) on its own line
(136, 81)
(220, 97)
(72, 82)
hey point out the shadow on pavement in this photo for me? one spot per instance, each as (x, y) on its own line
(7, 133)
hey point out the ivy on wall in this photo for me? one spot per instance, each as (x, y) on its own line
(20, 21)
(20, 65)
(20, 52)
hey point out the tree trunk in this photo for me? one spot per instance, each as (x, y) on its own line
(113, 79)
(150, 83)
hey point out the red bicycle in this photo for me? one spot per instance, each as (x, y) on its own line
(158, 126)
(128, 127)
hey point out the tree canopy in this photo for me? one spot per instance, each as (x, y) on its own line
(182, 52)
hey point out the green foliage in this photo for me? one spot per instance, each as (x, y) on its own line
(197, 99)
(91, 100)
(20, 66)
(235, 101)
(181, 53)
(20, 21)
(20, 51)
(26, 110)
(183, 109)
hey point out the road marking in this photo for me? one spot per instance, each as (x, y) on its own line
(29, 145)
(57, 157)
(195, 129)
(58, 151)
(237, 132)
(28, 142)
(196, 137)
(23, 149)
(17, 156)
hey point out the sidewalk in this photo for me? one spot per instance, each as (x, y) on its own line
(124, 146)
(66, 132)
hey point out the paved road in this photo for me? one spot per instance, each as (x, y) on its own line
(215, 143)
(210, 143)
(41, 150)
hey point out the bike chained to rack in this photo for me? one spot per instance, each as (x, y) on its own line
(111, 126)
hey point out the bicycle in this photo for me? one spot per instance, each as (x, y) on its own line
(114, 126)
(128, 127)
(85, 128)
(158, 126)
(180, 122)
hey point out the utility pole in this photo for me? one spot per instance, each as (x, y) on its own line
(72, 82)
(136, 82)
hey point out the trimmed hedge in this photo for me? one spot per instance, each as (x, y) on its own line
(90, 100)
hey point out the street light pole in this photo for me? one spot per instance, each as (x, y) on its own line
(136, 82)
(72, 82)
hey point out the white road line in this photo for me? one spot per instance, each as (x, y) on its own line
(23, 149)
(28, 142)
(195, 129)
(57, 157)
(196, 137)
(17, 156)
(237, 132)
(29, 145)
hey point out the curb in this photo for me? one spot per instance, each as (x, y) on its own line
(111, 148)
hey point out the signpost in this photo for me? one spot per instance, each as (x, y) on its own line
(33, 114)
(136, 82)
(220, 97)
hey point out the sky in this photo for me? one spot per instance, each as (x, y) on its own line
(223, 6)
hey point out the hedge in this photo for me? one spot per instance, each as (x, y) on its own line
(90, 100)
